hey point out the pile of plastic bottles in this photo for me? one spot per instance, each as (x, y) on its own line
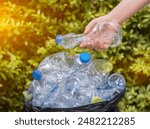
(65, 81)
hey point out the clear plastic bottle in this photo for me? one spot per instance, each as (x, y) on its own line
(114, 84)
(102, 69)
(53, 65)
(117, 81)
(81, 61)
(50, 93)
(109, 31)
(71, 40)
(45, 94)
(79, 71)
(72, 94)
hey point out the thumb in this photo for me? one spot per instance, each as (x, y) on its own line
(90, 26)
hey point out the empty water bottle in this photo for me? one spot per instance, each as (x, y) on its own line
(116, 80)
(71, 40)
(45, 93)
(101, 69)
(50, 93)
(38, 98)
(107, 32)
(81, 61)
(114, 84)
(64, 96)
(80, 70)
(53, 64)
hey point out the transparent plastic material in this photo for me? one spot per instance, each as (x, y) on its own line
(69, 40)
(53, 65)
(108, 32)
(72, 81)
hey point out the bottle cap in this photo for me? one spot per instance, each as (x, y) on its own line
(58, 39)
(85, 57)
(36, 74)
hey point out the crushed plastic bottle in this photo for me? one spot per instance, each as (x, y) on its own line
(41, 94)
(115, 84)
(116, 80)
(81, 61)
(107, 31)
(99, 72)
(71, 40)
(53, 64)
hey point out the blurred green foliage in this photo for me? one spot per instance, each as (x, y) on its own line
(27, 32)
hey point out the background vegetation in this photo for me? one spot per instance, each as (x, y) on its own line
(27, 32)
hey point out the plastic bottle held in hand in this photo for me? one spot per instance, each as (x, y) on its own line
(106, 32)
(69, 40)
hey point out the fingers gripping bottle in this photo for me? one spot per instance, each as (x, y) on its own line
(71, 40)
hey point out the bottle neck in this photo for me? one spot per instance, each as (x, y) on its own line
(80, 37)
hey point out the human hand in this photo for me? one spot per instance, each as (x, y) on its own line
(100, 33)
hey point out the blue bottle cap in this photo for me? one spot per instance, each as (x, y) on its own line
(36, 74)
(85, 57)
(58, 39)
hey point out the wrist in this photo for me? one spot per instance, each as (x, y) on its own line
(114, 18)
